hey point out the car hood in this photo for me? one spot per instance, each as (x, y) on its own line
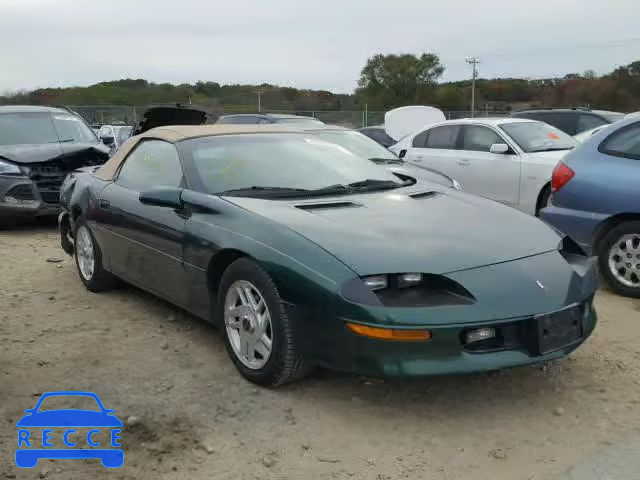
(547, 158)
(47, 151)
(174, 115)
(69, 418)
(428, 229)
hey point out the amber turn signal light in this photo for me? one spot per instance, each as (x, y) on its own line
(389, 333)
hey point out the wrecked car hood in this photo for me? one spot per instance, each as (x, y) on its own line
(48, 151)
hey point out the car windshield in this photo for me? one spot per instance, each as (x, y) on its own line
(538, 137)
(65, 402)
(27, 128)
(357, 143)
(277, 161)
(72, 129)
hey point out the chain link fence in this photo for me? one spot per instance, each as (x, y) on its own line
(128, 115)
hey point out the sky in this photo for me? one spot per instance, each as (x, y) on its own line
(304, 43)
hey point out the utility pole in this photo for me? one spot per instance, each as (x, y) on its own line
(259, 92)
(474, 61)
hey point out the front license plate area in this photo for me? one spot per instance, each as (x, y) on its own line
(557, 330)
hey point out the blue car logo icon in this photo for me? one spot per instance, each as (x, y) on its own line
(37, 429)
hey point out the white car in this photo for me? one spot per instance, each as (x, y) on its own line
(509, 160)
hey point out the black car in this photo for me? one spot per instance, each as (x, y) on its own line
(570, 120)
(38, 147)
(378, 134)
(266, 118)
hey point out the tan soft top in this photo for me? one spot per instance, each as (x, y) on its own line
(175, 133)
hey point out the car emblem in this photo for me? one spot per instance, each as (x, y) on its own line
(539, 283)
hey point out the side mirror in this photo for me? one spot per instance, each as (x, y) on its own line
(402, 153)
(108, 140)
(499, 148)
(29, 410)
(163, 197)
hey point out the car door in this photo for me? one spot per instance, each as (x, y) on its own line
(491, 175)
(145, 242)
(435, 148)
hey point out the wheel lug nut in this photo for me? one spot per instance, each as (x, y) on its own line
(628, 255)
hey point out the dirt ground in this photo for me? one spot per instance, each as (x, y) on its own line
(189, 415)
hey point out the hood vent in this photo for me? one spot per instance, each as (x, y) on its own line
(326, 205)
(421, 195)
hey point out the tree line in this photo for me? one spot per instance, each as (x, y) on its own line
(386, 81)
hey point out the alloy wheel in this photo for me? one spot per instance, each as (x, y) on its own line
(624, 260)
(248, 324)
(85, 253)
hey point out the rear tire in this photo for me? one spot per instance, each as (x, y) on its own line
(89, 261)
(259, 336)
(619, 258)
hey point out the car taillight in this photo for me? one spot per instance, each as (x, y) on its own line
(561, 175)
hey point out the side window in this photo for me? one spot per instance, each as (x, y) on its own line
(565, 121)
(623, 143)
(587, 122)
(443, 137)
(420, 140)
(479, 139)
(153, 163)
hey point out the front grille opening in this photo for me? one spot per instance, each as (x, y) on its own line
(21, 192)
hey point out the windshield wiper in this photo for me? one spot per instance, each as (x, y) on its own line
(259, 188)
(367, 185)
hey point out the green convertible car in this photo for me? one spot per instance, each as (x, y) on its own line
(309, 255)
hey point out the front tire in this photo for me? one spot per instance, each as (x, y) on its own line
(89, 261)
(619, 258)
(258, 334)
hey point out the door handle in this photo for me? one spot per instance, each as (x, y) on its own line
(104, 203)
(464, 163)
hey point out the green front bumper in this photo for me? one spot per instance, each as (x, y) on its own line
(330, 344)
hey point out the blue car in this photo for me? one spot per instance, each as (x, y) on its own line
(596, 201)
(36, 429)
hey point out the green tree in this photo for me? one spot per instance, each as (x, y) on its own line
(395, 80)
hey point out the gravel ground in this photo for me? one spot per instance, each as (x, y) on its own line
(189, 415)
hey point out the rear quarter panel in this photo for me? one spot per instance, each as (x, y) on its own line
(601, 184)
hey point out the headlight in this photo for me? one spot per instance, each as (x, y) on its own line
(400, 280)
(409, 279)
(7, 168)
(376, 282)
(456, 184)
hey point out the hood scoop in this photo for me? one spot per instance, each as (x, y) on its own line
(423, 195)
(327, 205)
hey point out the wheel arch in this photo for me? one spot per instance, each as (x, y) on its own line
(546, 187)
(218, 264)
(608, 224)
